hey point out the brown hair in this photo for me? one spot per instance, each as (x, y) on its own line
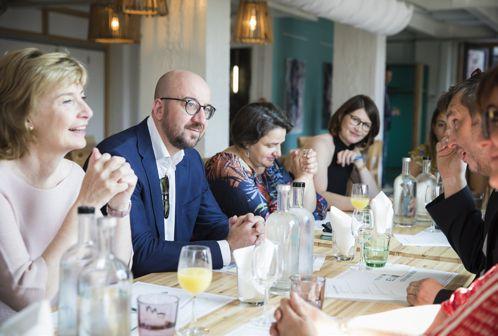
(253, 121)
(489, 82)
(351, 105)
(25, 76)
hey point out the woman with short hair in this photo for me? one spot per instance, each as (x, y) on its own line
(244, 177)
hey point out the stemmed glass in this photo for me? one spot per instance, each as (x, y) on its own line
(195, 271)
(267, 267)
(360, 231)
(359, 197)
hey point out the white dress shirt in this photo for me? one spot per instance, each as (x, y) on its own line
(166, 166)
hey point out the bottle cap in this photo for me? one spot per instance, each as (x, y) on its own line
(86, 209)
(298, 184)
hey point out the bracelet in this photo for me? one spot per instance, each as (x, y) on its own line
(118, 213)
(358, 157)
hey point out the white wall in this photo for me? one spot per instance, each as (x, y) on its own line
(359, 66)
(195, 38)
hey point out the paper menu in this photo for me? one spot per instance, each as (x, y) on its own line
(384, 284)
(424, 238)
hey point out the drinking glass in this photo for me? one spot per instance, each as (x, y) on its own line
(376, 249)
(430, 195)
(157, 314)
(309, 287)
(359, 196)
(267, 267)
(361, 232)
(195, 271)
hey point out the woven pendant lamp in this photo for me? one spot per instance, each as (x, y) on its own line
(253, 24)
(144, 7)
(108, 25)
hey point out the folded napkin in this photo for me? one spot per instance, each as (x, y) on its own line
(382, 209)
(243, 260)
(33, 320)
(341, 230)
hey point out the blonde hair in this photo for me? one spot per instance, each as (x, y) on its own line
(25, 76)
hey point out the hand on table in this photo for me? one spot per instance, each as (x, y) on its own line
(422, 292)
(244, 230)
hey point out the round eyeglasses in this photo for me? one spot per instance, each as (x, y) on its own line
(355, 121)
(192, 106)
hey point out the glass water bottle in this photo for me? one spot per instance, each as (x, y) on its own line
(306, 226)
(71, 264)
(282, 228)
(104, 289)
(426, 183)
(405, 192)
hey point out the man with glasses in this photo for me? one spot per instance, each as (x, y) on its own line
(172, 205)
(455, 211)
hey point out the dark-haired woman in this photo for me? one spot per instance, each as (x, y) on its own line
(438, 129)
(244, 177)
(352, 129)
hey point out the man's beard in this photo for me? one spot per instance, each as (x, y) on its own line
(179, 138)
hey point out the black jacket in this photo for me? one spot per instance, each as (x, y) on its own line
(467, 232)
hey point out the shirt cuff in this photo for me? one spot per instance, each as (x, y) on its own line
(225, 252)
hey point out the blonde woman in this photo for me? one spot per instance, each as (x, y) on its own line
(43, 116)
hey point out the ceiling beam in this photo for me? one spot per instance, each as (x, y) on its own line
(488, 16)
(425, 24)
(435, 5)
(44, 3)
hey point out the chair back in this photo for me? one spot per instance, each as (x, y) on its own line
(374, 157)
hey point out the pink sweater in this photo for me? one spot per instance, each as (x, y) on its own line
(29, 220)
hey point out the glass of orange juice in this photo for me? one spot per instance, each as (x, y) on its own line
(359, 196)
(195, 271)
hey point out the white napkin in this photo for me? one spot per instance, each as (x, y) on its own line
(383, 212)
(34, 320)
(341, 230)
(243, 260)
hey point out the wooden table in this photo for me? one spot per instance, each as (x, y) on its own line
(235, 313)
(396, 248)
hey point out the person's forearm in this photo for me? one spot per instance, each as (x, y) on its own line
(339, 201)
(453, 184)
(122, 245)
(367, 178)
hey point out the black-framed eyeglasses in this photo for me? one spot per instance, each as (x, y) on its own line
(355, 121)
(192, 106)
(165, 193)
(489, 121)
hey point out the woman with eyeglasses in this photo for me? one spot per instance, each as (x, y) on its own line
(43, 116)
(244, 177)
(352, 129)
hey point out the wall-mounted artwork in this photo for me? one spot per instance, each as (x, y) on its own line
(327, 94)
(294, 93)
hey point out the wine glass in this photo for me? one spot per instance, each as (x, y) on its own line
(267, 267)
(195, 271)
(361, 231)
(359, 197)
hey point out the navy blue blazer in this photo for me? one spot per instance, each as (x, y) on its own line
(199, 219)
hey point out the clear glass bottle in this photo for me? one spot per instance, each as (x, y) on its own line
(405, 193)
(282, 228)
(426, 183)
(104, 289)
(71, 264)
(306, 226)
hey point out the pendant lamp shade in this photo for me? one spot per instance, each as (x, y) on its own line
(108, 25)
(253, 24)
(145, 7)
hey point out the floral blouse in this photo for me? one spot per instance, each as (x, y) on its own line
(239, 190)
